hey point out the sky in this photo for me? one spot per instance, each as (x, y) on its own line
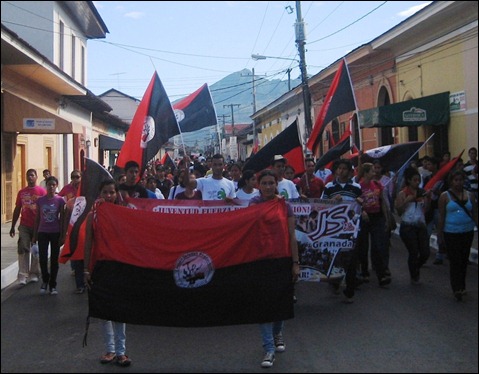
(190, 43)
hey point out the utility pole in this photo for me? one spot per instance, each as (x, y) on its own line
(254, 103)
(232, 117)
(221, 134)
(300, 42)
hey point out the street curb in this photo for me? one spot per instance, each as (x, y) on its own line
(9, 275)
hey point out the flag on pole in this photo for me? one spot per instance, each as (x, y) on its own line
(153, 124)
(339, 100)
(93, 175)
(177, 281)
(343, 146)
(286, 143)
(391, 156)
(442, 173)
(196, 111)
(166, 160)
(255, 146)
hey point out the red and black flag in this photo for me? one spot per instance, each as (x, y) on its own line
(153, 124)
(392, 156)
(442, 173)
(287, 143)
(339, 100)
(196, 111)
(166, 160)
(333, 154)
(92, 177)
(184, 282)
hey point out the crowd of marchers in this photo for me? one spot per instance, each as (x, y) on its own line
(388, 200)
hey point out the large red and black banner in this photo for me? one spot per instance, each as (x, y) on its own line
(339, 100)
(196, 111)
(153, 124)
(191, 270)
(287, 143)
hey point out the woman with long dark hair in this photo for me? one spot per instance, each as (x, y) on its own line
(411, 204)
(457, 218)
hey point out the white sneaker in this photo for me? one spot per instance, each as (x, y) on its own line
(22, 282)
(279, 343)
(268, 360)
(53, 291)
(33, 279)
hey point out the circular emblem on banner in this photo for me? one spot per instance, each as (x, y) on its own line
(378, 152)
(193, 269)
(179, 114)
(148, 131)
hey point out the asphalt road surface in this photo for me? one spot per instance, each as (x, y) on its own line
(402, 328)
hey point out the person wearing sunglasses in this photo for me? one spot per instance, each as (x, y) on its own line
(71, 189)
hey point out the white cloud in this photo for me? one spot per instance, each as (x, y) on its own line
(134, 15)
(409, 12)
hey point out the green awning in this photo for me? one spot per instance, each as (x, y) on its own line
(109, 143)
(429, 110)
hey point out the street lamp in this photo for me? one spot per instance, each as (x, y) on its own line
(257, 57)
(304, 83)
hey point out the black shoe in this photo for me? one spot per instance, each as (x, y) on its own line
(335, 287)
(387, 273)
(458, 295)
(415, 280)
(358, 282)
(295, 300)
(384, 281)
(438, 261)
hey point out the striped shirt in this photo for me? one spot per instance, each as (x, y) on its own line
(349, 191)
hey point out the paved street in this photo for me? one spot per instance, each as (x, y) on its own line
(404, 328)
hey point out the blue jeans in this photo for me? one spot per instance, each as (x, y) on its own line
(114, 336)
(416, 240)
(268, 331)
(77, 266)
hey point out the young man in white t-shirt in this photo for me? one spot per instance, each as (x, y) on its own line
(215, 187)
(286, 188)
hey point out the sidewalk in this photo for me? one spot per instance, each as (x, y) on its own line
(10, 263)
(9, 256)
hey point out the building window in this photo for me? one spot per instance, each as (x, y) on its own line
(73, 56)
(83, 65)
(61, 49)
